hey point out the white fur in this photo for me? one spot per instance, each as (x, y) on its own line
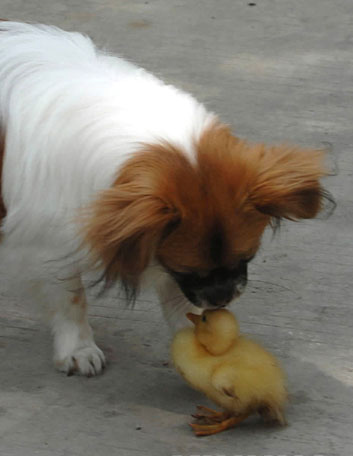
(72, 115)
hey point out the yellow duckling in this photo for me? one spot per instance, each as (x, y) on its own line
(233, 371)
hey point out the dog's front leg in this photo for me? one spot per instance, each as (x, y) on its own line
(74, 346)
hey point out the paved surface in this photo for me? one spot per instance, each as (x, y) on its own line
(277, 71)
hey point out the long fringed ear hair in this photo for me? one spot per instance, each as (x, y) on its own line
(288, 186)
(125, 223)
(123, 232)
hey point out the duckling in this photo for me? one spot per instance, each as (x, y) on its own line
(233, 371)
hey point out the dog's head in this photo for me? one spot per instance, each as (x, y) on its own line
(201, 218)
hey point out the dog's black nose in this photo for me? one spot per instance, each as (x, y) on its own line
(219, 296)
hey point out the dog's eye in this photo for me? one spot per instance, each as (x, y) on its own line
(192, 275)
(204, 318)
(185, 276)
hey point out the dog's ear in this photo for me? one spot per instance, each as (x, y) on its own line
(124, 225)
(287, 184)
(122, 229)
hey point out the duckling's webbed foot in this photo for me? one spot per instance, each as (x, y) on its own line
(208, 415)
(209, 429)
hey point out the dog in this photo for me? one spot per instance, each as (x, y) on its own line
(106, 166)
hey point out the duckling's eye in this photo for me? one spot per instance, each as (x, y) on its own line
(203, 318)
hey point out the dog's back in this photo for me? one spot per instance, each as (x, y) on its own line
(70, 115)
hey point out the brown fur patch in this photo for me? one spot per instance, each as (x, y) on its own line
(199, 216)
(237, 187)
(125, 223)
(79, 301)
(76, 299)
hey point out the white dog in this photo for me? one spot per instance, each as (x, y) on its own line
(103, 164)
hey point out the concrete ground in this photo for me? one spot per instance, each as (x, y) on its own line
(276, 70)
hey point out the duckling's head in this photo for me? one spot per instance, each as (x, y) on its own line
(216, 330)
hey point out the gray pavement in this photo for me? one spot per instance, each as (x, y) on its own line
(279, 71)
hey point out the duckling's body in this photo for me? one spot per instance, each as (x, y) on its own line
(232, 370)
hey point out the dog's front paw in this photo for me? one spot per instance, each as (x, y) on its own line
(87, 361)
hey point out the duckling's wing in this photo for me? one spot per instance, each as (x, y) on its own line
(223, 381)
(242, 387)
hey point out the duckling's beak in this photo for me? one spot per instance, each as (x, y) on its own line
(193, 317)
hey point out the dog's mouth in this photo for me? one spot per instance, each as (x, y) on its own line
(215, 290)
(216, 303)
(215, 297)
